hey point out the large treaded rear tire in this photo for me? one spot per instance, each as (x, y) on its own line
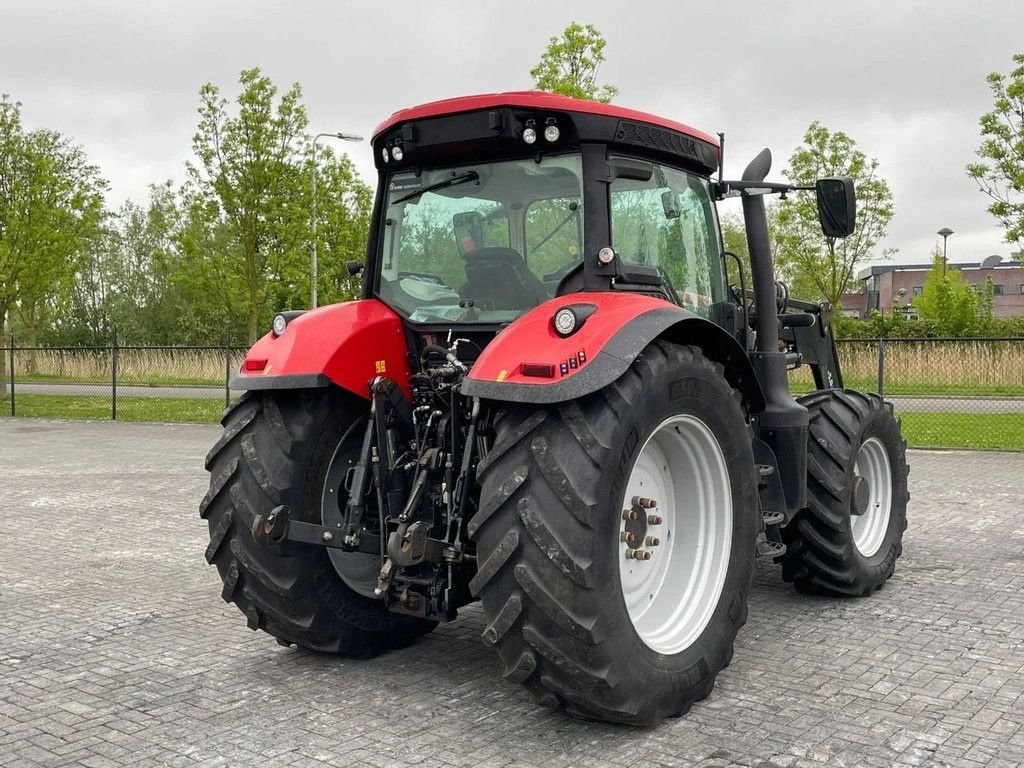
(821, 556)
(548, 544)
(275, 449)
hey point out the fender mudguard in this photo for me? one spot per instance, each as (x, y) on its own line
(344, 344)
(529, 362)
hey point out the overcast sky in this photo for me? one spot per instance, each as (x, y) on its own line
(905, 79)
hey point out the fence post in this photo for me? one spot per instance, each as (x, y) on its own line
(113, 378)
(227, 377)
(881, 366)
(10, 368)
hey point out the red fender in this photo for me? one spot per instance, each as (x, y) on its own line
(529, 362)
(347, 344)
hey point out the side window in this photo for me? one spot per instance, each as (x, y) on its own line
(669, 223)
(554, 236)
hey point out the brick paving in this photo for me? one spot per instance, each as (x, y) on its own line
(115, 648)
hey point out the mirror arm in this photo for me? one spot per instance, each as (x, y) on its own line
(725, 189)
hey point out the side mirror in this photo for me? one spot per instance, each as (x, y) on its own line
(837, 206)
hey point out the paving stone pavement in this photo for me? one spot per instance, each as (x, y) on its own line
(116, 649)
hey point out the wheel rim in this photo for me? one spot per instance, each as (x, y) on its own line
(869, 528)
(359, 570)
(672, 596)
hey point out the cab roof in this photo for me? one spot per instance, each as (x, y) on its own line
(540, 100)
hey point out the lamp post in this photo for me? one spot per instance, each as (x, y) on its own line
(945, 232)
(312, 259)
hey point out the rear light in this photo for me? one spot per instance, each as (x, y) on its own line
(539, 370)
(254, 364)
(564, 321)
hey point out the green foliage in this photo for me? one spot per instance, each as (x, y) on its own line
(948, 301)
(811, 262)
(1000, 173)
(51, 211)
(570, 63)
(246, 235)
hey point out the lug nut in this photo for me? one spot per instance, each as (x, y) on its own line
(628, 537)
(327, 536)
(638, 554)
(652, 541)
(654, 520)
(644, 503)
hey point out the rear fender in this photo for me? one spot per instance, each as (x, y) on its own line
(529, 362)
(344, 344)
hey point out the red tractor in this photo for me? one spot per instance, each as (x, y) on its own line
(550, 399)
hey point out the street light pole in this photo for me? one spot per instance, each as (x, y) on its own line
(945, 232)
(312, 259)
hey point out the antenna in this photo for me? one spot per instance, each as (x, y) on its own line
(721, 156)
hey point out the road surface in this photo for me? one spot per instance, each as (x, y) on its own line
(116, 648)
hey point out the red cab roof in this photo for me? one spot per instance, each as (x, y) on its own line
(534, 100)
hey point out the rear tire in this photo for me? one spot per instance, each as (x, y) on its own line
(830, 551)
(275, 450)
(553, 491)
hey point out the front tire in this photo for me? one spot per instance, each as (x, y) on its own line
(560, 596)
(847, 540)
(276, 449)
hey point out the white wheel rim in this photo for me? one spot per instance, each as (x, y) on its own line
(869, 528)
(672, 596)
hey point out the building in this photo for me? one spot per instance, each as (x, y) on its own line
(893, 286)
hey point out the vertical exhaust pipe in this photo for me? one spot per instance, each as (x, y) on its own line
(783, 425)
(762, 269)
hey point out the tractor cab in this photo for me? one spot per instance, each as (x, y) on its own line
(490, 206)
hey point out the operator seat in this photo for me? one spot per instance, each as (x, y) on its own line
(498, 278)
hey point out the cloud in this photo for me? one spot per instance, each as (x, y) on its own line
(906, 79)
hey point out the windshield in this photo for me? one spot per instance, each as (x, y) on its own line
(480, 242)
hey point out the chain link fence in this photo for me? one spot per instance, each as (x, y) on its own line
(128, 383)
(949, 393)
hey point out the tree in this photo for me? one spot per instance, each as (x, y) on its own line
(245, 238)
(51, 207)
(569, 65)
(803, 253)
(1000, 174)
(949, 301)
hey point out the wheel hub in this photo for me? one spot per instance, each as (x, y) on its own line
(860, 496)
(359, 570)
(638, 533)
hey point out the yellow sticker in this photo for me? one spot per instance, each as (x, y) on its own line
(381, 366)
(267, 369)
(502, 375)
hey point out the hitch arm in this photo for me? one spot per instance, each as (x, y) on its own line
(278, 527)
